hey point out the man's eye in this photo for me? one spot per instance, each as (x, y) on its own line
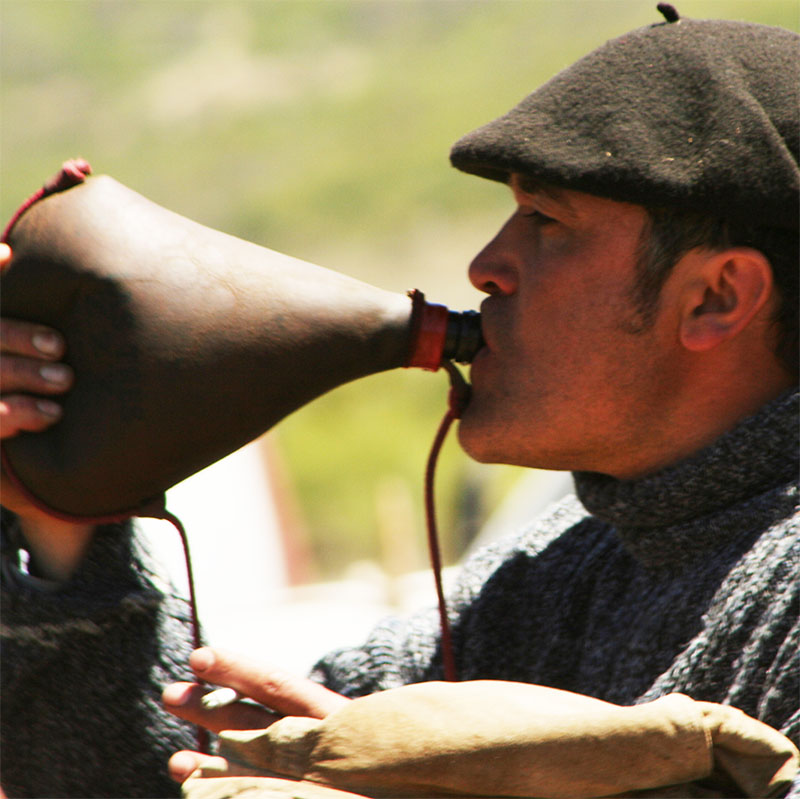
(535, 216)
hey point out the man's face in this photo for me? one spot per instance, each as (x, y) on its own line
(568, 379)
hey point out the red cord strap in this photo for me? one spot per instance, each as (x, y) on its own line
(72, 172)
(202, 736)
(458, 399)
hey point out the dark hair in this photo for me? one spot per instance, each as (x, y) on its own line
(670, 233)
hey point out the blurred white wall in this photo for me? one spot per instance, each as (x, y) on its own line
(236, 526)
(233, 516)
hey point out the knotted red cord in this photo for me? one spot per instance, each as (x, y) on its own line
(457, 401)
(202, 736)
(72, 172)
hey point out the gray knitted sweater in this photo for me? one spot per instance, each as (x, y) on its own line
(683, 581)
(83, 667)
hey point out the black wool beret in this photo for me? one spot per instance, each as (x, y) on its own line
(697, 114)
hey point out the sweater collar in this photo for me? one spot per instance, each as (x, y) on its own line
(670, 508)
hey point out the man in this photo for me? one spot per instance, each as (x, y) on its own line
(641, 330)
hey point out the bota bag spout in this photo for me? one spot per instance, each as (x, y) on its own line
(187, 343)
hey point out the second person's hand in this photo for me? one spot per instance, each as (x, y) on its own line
(32, 378)
(31, 375)
(279, 693)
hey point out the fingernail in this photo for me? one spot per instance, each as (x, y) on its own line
(47, 343)
(202, 659)
(176, 694)
(55, 373)
(222, 697)
(49, 408)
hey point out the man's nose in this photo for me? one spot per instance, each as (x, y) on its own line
(492, 270)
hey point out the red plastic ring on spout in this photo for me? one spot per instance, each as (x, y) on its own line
(428, 332)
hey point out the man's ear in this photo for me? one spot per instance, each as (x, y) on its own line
(727, 291)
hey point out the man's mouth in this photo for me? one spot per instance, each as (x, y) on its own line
(477, 362)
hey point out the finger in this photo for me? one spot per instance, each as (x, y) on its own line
(33, 414)
(280, 690)
(184, 700)
(28, 338)
(184, 763)
(18, 373)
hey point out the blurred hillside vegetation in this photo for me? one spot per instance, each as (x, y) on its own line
(321, 129)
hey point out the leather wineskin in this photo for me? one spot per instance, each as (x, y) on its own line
(186, 342)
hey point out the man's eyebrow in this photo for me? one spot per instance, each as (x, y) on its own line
(533, 186)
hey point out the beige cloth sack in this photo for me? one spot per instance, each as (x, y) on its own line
(503, 739)
(260, 788)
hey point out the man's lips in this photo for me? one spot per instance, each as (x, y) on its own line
(478, 362)
(489, 310)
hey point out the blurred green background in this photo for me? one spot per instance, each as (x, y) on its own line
(320, 129)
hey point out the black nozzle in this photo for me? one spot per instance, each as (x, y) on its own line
(464, 337)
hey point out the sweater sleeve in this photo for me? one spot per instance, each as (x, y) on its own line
(83, 667)
(400, 651)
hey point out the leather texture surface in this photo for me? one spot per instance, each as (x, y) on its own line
(187, 343)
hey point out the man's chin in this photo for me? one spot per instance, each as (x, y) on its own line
(473, 438)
